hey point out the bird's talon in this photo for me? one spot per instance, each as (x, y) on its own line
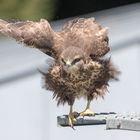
(70, 120)
(87, 112)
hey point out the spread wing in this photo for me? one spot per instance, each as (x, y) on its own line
(33, 34)
(86, 33)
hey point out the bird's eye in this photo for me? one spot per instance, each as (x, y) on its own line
(63, 61)
(76, 60)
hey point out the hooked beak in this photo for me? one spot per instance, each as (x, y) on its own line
(68, 63)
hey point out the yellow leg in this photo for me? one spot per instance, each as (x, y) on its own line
(71, 118)
(87, 111)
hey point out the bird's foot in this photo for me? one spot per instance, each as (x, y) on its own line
(87, 112)
(71, 119)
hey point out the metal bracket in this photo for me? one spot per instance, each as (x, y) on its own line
(98, 118)
(125, 121)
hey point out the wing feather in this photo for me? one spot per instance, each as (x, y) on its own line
(33, 34)
(86, 33)
(80, 32)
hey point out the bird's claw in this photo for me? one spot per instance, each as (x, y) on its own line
(87, 112)
(71, 120)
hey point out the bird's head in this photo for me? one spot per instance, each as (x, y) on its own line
(72, 59)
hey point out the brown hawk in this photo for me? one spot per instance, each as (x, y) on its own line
(78, 49)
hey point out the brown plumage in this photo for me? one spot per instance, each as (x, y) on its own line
(79, 69)
(85, 33)
(90, 82)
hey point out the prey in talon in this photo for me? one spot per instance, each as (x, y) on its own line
(79, 68)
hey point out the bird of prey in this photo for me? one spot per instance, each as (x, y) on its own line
(80, 68)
